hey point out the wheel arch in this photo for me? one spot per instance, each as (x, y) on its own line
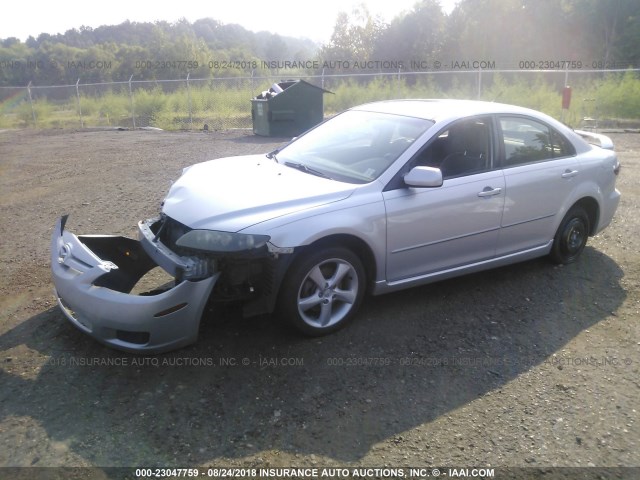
(357, 245)
(592, 208)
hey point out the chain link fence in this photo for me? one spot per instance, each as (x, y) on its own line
(224, 103)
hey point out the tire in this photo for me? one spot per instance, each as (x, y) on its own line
(571, 237)
(323, 291)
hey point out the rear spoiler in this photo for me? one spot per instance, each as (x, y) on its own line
(596, 139)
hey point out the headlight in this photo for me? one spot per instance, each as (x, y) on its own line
(224, 242)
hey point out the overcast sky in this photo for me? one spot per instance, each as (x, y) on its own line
(297, 18)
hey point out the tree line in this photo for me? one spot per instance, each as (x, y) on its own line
(507, 34)
(510, 34)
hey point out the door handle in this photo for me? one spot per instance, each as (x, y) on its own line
(569, 173)
(489, 192)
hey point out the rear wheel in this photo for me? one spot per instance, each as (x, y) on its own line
(322, 291)
(571, 236)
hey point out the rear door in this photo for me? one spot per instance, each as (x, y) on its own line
(540, 170)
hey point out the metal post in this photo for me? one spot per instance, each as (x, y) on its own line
(566, 84)
(189, 102)
(79, 107)
(133, 111)
(33, 111)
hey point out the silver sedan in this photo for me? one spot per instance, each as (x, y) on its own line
(382, 197)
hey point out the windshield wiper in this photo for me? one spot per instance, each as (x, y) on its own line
(272, 155)
(304, 168)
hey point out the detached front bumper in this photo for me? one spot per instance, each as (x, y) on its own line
(93, 278)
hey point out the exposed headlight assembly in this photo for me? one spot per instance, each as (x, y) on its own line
(221, 242)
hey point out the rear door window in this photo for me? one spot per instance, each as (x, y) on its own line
(529, 141)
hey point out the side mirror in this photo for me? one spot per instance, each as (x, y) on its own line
(423, 177)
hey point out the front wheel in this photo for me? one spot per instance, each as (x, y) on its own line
(323, 291)
(571, 236)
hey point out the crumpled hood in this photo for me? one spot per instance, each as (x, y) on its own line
(231, 194)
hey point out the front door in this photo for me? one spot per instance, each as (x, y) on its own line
(434, 229)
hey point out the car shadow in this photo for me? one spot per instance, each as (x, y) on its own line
(250, 386)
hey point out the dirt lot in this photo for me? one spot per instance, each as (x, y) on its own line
(531, 365)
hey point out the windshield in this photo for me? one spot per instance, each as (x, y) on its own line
(355, 146)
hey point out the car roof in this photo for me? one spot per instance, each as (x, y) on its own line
(443, 109)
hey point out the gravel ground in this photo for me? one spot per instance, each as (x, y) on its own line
(531, 365)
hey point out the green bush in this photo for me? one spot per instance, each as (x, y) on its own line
(618, 95)
(42, 110)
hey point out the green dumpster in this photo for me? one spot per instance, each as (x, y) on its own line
(287, 109)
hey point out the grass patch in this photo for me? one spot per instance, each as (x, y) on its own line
(222, 104)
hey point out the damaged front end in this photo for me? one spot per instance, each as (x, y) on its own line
(94, 276)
